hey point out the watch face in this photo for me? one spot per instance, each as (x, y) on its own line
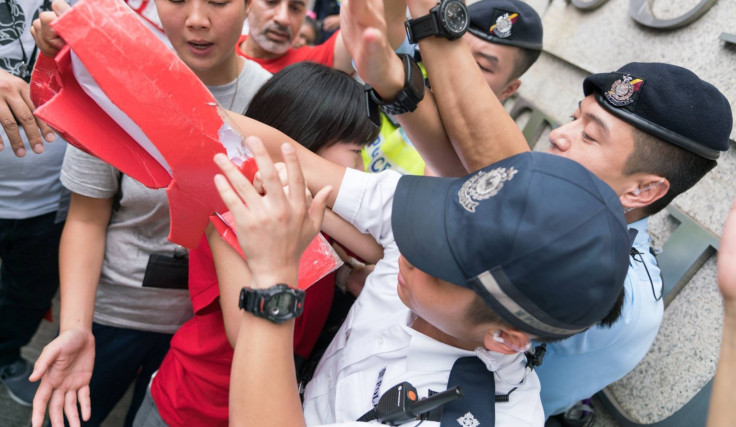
(455, 18)
(280, 304)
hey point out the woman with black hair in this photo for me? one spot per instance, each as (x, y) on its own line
(323, 109)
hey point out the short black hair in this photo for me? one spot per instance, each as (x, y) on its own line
(615, 312)
(525, 58)
(315, 105)
(479, 313)
(680, 167)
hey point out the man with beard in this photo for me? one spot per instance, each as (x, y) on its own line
(275, 24)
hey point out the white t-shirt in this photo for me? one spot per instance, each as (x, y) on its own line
(29, 186)
(139, 228)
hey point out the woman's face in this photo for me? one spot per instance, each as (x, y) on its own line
(346, 154)
(204, 34)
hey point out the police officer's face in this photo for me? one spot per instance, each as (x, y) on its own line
(497, 63)
(441, 304)
(599, 141)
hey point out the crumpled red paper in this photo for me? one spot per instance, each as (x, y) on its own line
(157, 91)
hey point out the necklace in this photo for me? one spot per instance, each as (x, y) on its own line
(237, 81)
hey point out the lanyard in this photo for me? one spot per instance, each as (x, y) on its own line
(28, 62)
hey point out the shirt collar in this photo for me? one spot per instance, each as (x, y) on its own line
(428, 354)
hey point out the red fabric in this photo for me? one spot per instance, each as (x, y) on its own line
(193, 382)
(323, 54)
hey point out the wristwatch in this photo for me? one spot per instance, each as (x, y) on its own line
(278, 303)
(449, 19)
(408, 97)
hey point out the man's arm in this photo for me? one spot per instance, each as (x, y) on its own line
(65, 365)
(478, 126)
(273, 231)
(722, 410)
(365, 36)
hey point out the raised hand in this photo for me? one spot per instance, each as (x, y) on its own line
(65, 369)
(364, 33)
(274, 228)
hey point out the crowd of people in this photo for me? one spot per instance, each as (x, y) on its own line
(524, 279)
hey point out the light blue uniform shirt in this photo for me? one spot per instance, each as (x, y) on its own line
(579, 366)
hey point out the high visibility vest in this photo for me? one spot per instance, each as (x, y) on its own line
(392, 150)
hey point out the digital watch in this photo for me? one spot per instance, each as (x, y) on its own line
(278, 303)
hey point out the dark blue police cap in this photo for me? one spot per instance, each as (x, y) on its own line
(509, 22)
(669, 102)
(540, 238)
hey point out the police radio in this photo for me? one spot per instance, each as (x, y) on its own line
(400, 404)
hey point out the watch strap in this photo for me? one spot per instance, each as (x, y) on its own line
(422, 27)
(408, 97)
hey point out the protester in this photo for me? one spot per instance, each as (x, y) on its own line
(115, 242)
(30, 195)
(193, 383)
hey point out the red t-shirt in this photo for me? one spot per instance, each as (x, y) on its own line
(193, 382)
(323, 54)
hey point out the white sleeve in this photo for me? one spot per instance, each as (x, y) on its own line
(365, 200)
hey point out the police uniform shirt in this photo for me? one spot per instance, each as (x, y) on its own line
(376, 348)
(579, 366)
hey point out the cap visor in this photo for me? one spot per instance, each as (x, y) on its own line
(418, 222)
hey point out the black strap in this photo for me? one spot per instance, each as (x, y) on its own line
(422, 27)
(634, 254)
(480, 391)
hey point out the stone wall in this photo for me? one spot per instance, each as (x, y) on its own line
(579, 42)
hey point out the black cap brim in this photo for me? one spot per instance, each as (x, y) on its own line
(419, 226)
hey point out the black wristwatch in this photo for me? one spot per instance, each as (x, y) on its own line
(408, 97)
(449, 19)
(278, 303)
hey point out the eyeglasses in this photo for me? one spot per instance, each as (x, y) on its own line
(497, 338)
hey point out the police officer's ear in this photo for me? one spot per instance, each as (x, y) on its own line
(510, 89)
(644, 190)
(506, 341)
